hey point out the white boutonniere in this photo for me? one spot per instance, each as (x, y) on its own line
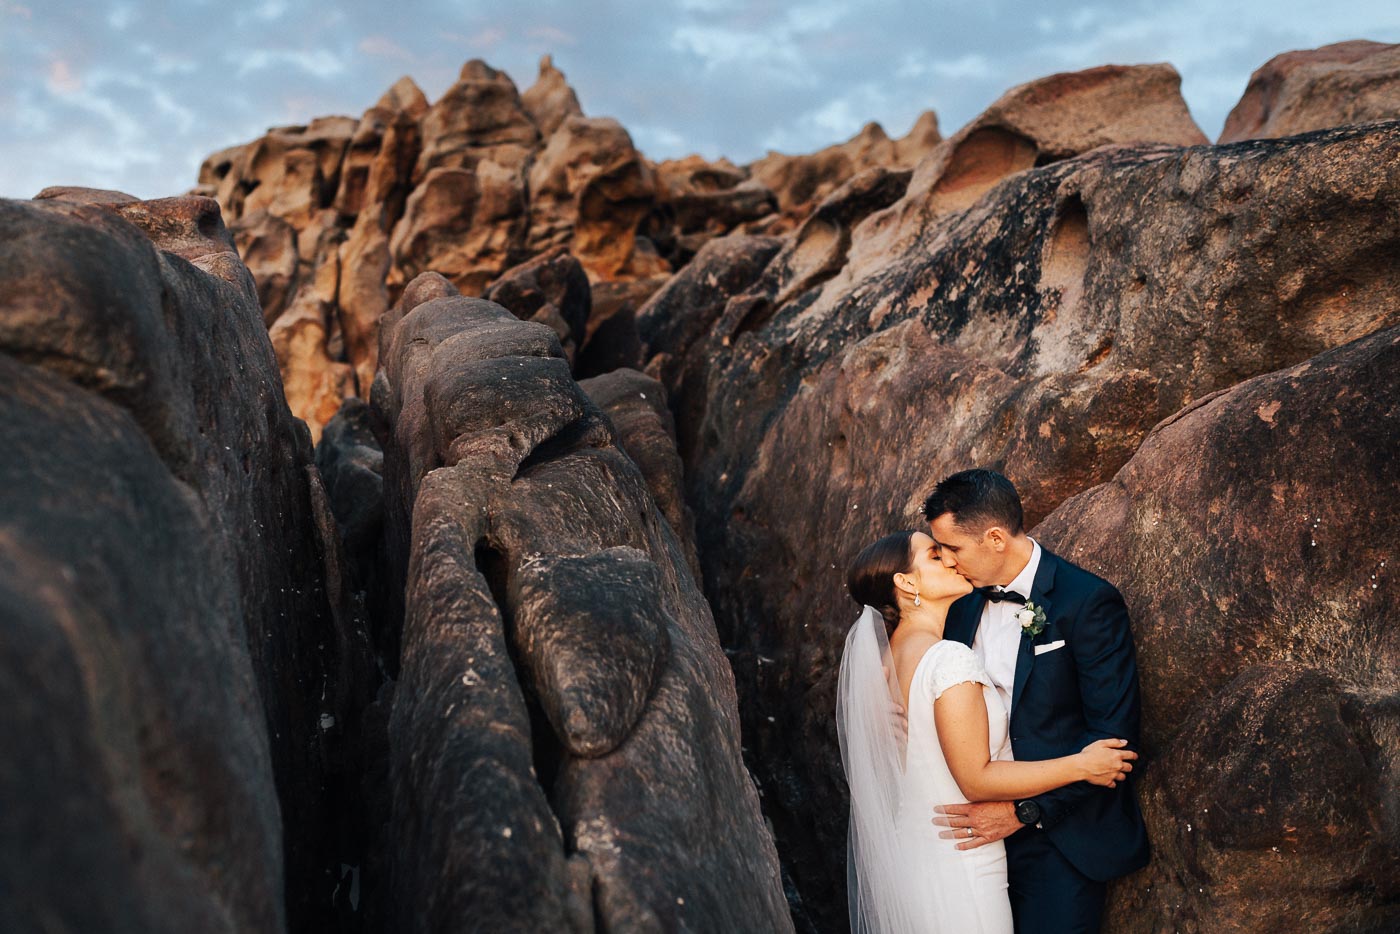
(1032, 619)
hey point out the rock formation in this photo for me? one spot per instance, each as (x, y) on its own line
(1296, 92)
(335, 217)
(175, 676)
(1253, 537)
(564, 730)
(801, 182)
(457, 663)
(1043, 327)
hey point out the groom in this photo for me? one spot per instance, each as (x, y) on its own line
(1068, 676)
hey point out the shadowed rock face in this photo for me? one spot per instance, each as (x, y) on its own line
(132, 718)
(636, 405)
(552, 289)
(564, 731)
(160, 539)
(1297, 92)
(1044, 330)
(1253, 537)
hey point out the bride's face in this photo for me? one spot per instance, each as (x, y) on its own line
(928, 573)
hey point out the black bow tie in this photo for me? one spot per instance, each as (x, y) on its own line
(996, 596)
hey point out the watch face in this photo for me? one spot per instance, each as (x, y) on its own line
(1027, 812)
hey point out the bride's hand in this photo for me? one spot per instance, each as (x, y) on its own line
(1105, 762)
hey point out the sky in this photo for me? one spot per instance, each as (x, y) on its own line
(133, 94)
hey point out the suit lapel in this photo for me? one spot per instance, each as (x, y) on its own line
(1040, 595)
(962, 625)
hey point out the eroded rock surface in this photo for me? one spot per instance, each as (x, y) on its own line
(174, 669)
(1297, 92)
(1253, 538)
(336, 217)
(564, 731)
(1044, 329)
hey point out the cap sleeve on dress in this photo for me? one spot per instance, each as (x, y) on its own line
(955, 663)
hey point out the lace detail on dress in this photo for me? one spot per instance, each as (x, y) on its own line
(952, 663)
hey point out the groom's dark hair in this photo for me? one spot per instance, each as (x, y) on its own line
(977, 499)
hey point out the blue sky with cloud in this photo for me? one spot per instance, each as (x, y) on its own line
(133, 95)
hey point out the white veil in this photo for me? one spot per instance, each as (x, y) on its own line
(879, 882)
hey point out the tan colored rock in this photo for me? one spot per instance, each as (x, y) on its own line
(481, 117)
(465, 223)
(802, 182)
(382, 152)
(293, 171)
(362, 297)
(315, 384)
(550, 100)
(590, 190)
(268, 245)
(1296, 92)
(82, 195)
(1042, 121)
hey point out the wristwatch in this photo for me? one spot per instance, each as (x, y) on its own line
(1028, 812)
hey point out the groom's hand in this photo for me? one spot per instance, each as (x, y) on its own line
(989, 820)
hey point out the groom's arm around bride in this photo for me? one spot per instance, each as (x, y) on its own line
(1067, 672)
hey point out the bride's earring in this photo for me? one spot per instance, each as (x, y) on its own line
(916, 598)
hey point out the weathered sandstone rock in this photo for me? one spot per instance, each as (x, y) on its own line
(1045, 330)
(174, 670)
(564, 735)
(1253, 538)
(802, 182)
(1296, 92)
(590, 190)
(550, 100)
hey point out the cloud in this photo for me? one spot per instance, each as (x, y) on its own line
(384, 47)
(318, 63)
(62, 80)
(145, 83)
(551, 35)
(487, 38)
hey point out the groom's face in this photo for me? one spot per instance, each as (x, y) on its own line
(972, 556)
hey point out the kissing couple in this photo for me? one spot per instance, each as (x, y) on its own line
(997, 796)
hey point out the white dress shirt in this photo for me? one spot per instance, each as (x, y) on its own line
(998, 639)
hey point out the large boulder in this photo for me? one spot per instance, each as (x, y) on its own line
(164, 569)
(636, 404)
(1252, 536)
(1045, 328)
(1297, 92)
(565, 747)
(1033, 124)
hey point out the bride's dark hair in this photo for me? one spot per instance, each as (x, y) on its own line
(870, 581)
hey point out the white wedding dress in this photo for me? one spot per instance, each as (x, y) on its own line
(970, 893)
(904, 878)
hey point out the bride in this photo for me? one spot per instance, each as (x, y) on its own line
(902, 876)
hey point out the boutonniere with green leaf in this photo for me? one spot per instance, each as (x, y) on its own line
(1032, 619)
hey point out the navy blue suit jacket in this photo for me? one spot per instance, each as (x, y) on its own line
(1066, 698)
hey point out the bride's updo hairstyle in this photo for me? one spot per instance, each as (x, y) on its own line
(870, 581)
